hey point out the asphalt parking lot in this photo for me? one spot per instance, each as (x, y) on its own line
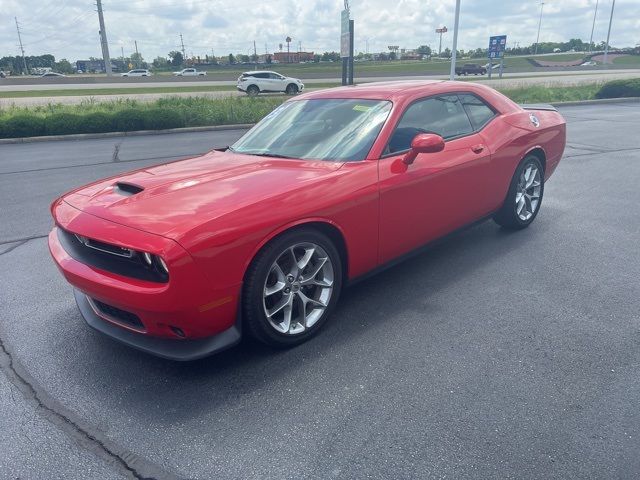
(493, 355)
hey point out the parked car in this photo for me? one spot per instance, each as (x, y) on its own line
(52, 74)
(471, 69)
(259, 238)
(256, 82)
(138, 72)
(2, 74)
(189, 72)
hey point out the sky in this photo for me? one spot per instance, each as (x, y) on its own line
(69, 28)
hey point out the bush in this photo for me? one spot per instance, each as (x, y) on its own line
(96, 122)
(620, 88)
(129, 120)
(162, 118)
(63, 123)
(24, 125)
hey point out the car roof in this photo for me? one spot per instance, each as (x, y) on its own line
(259, 71)
(408, 90)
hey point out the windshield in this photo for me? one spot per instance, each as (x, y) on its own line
(321, 129)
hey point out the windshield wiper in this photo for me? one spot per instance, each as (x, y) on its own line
(267, 154)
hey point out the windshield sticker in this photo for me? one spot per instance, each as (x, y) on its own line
(361, 108)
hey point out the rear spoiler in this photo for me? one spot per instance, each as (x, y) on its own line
(539, 106)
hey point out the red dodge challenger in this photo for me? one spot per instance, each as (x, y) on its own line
(180, 259)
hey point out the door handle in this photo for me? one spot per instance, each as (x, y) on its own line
(477, 148)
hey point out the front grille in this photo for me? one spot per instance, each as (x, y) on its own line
(110, 258)
(117, 314)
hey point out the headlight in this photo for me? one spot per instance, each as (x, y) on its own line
(154, 262)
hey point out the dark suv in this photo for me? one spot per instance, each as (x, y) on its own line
(471, 68)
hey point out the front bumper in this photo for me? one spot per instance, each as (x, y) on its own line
(180, 350)
(184, 318)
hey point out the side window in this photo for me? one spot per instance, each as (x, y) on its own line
(260, 75)
(479, 112)
(442, 115)
(275, 76)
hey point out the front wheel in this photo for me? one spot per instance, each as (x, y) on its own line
(292, 89)
(524, 197)
(291, 288)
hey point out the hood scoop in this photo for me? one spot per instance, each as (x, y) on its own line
(127, 189)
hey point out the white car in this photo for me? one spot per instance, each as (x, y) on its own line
(189, 72)
(253, 83)
(138, 72)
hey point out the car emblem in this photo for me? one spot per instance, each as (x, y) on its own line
(534, 120)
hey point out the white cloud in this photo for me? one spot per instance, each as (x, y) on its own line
(70, 28)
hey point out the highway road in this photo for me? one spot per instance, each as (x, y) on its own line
(494, 355)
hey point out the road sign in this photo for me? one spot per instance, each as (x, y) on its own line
(345, 43)
(497, 46)
(442, 30)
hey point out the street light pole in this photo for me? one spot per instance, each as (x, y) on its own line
(606, 47)
(539, 25)
(454, 51)
(595, 14)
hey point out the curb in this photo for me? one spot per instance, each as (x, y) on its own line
(137, 133)
(242, 126)
(603, 101)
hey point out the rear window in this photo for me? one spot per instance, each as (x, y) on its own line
(479, 112)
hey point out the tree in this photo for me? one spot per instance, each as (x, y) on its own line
(424, 50)
(137, 60)
(268, 60)
(63, 66)
(232, 59)
(176, 58)
(160, 62)
(243, 58)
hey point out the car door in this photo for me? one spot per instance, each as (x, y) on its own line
(439, 192)
(276, 82)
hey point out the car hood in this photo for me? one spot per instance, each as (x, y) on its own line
(173, 198)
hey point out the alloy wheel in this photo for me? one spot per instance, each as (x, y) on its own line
(528, 192)
(298, 288)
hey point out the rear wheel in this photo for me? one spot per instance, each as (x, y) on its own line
(292, 89)
(524, 197)
(291, 288)
(253, 91)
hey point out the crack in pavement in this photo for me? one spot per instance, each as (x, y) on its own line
(127, 462)
(116, 150)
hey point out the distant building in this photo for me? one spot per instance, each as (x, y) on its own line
(293, 57)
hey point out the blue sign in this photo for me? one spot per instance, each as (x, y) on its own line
(497, 46)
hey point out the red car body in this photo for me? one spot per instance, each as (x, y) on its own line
(207, 217)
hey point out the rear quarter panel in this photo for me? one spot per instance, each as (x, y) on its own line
(512, 136)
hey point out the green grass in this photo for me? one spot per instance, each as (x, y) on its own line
(537, 94)
(131, 90)
(633, 60)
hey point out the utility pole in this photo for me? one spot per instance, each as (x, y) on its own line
(595, 14)
(606, 47)
(24, 61)
(135, 42)
(288, 40)
(539, 25)
(122, 52)
(103, 40)
(255, 55)
(454, 50)
(184, 55)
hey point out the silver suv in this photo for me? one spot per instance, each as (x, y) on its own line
(253, 83)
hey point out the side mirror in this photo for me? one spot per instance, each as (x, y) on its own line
(423, 143)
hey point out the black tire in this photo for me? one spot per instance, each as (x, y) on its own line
(253, 90)
(292, 89)
(507, 216)
(254, 318)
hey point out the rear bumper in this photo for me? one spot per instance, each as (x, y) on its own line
(180, 350)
